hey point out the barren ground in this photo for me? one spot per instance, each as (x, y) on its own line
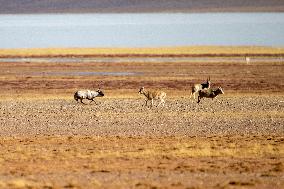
(47, 140)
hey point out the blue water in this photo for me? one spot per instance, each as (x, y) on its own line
(141, 30)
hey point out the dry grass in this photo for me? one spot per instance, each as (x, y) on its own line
(123, 162)
(128, 147)
(194, 50)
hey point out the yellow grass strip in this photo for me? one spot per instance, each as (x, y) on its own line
(156, 147)
(191, 50)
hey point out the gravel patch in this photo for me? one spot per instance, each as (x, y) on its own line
(261, 115)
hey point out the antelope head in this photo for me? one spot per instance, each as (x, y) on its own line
(100, 93)
(141, 90)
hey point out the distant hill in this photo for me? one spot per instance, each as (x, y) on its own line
(139, 6)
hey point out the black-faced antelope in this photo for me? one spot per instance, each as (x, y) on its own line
(197, 87)
(153, 95)
(87, 94)
(209, 93)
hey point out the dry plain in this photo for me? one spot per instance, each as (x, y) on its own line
(47, 140)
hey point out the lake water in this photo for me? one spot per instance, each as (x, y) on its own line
(141, 30)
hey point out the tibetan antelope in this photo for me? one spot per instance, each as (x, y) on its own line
(197, 87)
(247, 60)
(209, 93)
(153, 95)
(87, 94)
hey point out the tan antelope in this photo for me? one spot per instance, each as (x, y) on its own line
(197, 87)
(209, 93)
(153, 95)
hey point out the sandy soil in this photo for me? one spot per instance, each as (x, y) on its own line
(48, 140)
